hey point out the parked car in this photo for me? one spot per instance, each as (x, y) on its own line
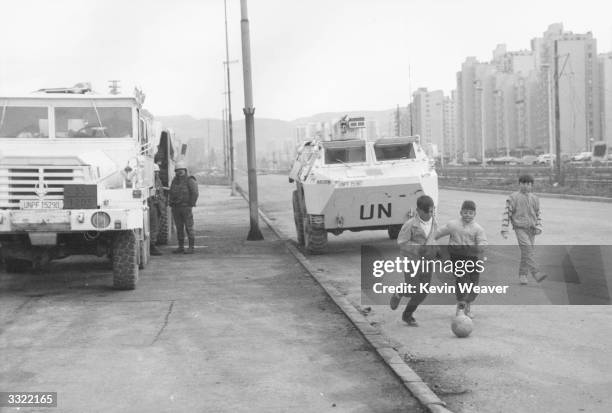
(505, 160)
(582, 157)
(529, 160)
(546, 159)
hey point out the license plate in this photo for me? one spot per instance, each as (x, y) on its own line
(38, 204)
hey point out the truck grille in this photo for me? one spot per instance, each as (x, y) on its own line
(23, 182)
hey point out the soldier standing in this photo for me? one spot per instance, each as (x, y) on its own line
(156, 204)
(183, 197)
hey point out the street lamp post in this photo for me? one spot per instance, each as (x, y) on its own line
(229, 109)
(249, 118)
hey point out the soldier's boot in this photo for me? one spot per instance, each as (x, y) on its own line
(181, 247)
(154, 250)
(191, 248)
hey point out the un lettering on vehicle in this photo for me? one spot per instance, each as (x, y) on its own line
(369, 211)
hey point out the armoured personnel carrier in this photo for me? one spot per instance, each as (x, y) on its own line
(76, 174)
(351, 184)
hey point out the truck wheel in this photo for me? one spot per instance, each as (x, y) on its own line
(393, 231)
(14, 265)
(164, 224)
(297, 217)
(315, 238)
(125, 260)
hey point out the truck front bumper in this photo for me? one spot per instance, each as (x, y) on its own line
(61, 220)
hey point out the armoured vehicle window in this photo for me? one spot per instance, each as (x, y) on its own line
(345, 155)
(392, 152)
(344, 152)
(93, 122)
(23, 122)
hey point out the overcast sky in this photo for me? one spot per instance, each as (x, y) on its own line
(308, 56)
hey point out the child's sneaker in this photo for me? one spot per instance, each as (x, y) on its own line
(539, 276)
(408, 319)
(460, 308)
(394, 301)
(523, 279)
(468, 310)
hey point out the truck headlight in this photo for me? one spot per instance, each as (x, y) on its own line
(100, 219)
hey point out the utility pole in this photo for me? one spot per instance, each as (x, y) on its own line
(249, 114)
(225, 170)
(549, 93)
(229, 109)
(223, 131)
(480, 88)
(557, 117)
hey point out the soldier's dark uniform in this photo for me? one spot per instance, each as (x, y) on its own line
(183, 197)
(156, 205)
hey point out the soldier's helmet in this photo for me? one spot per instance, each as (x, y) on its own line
(180, 165)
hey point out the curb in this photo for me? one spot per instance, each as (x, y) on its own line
(392, 352)
(586, 198)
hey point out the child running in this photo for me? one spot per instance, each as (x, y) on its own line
(466, 241)
(416, 240)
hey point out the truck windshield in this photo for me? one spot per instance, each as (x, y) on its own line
(393, 152)
(93, 122)
(23, 122)
(343, 152)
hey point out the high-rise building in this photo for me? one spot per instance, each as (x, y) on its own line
(449, 140)
(605, 96)
(428, 116)
(578, 79)
(476, 118)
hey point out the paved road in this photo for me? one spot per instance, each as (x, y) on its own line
(519, 358)
(238, 327)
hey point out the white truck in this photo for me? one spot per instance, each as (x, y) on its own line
(76, 172)
(351, 184)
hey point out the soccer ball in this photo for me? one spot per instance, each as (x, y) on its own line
(462, 325)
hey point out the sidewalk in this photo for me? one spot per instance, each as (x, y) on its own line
(263, 336)
(237, 327)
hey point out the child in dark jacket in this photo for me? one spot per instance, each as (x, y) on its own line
(416, 240)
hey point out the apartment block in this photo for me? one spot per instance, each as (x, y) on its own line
(449, 140)
(605, 96)
(428, 116)
(579, 97)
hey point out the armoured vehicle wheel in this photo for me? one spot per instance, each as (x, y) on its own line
(297, 217)
(394, 231)
(164, 227)
(15, 265)
(125, 260)
(315, 238)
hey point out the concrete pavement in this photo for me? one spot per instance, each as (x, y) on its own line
(520, 358)
(239, 326)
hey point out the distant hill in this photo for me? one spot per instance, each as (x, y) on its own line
(267, 131)
(274, 137)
